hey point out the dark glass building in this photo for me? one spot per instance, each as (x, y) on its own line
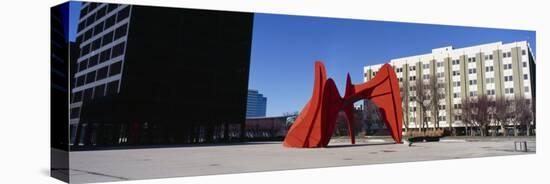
(256, 104)
(156, 76)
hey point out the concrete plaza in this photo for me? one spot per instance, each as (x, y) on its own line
(148, 163)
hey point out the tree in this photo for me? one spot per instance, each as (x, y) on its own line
(372, 115)
(502, 113)
(291, 117)
(404, 90)
(422, 97)
(481, 113)
(523, 114)
(466, 113)
(435, 94)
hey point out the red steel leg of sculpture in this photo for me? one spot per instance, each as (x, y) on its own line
(383, 90)
(315, 124)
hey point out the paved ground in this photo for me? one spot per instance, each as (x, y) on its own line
(115, 165)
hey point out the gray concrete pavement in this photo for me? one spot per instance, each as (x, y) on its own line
(116, 165)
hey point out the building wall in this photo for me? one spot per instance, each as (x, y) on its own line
(155, 75)
(493, 69)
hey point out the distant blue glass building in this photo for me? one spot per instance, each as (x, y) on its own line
(255, 104)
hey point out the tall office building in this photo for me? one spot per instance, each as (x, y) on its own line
(149, 75)
(255, 104)
(493, 69)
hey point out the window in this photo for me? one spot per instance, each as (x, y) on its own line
(523, 52)
(112, 88)
(525, 76)
(111, 7)
(75, 112)
(81, 25)
(473, 93)
(102, 73)
(473, 82)
(412, 78)
(472, 71)
(79, 39)
(398, 70)
(491, 57)
(77, 97)
(107, 38)
(524, 64)
(84, 11)
(93, 60)
(88, 94)
(88, 34)
(105, 55)
(110, 21)
(456, 73)
(90, 77)
(507, 66)
(121, 31)
(425, 66)
(99, 91)
(92, 6)
(83, 65)
(98, 28)
(80, 81)
(490, 80)
(440, 75)
(526, 89)
(509, 90)
(426, 76)
(427, 119)
(508, 54)
(122, 14)
(115, 68)
(456, 95)
(471, 60)
(101, 12)
(85, 50)
(491, 92)
(439, 64)
(118, 50)
(412, 68)
(90, 20)
(508, 78)
(489, 69)
(458, 118)
(456, 83)
(456, 62)
(96, 44)
(457, 106)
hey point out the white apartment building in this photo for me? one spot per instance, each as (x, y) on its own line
(493, 69)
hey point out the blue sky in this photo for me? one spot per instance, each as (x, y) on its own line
(74, 12)
(284, 49)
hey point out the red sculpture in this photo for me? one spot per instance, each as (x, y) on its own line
(314, 126)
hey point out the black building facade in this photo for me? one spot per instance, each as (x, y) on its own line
(158, 76)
